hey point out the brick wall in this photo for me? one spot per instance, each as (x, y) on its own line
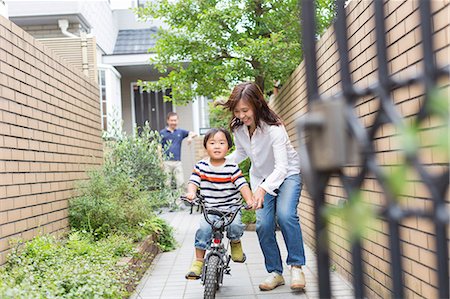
(200, 151)
(405, 59)
(49, 135)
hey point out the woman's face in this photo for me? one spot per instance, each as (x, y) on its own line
(245, 113)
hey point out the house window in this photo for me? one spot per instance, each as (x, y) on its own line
(204, 112)
(102, 88)
(141, 3)
(150, 106)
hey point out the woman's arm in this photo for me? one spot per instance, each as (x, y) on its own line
(279, 148)
(275, 179)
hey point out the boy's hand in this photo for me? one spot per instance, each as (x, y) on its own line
(190, 195)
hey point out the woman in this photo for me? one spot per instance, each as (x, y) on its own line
(275, 180)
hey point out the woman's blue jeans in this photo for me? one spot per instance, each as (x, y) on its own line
(203, 235)
(284, 208)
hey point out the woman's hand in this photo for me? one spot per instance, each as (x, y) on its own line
(258, 198)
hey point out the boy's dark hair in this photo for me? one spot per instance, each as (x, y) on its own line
(214, 131)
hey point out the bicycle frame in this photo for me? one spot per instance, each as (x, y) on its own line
(217, 246)
(218, 226)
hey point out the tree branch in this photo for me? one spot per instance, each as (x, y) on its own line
(226, 55)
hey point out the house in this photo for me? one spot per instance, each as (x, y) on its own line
(105, 40)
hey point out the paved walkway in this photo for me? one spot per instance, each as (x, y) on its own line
(165, 277)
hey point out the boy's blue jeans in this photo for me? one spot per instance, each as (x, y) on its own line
(203, 235)
(284, 208)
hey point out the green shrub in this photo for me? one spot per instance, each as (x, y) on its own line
(77, 268)
(248, 216)
(219, 116)
(138, 157)
(166, 241)
(105, 207)
(125, 192)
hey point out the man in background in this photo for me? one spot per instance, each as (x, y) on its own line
(173, 135)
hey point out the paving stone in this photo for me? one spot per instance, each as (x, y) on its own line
(165, 277)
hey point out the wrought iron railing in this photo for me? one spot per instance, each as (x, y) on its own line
(332, 123)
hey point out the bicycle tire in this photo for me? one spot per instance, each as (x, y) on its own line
(211, 277)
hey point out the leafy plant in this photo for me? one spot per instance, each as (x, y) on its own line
(46, 267)
(166, 240)
(356, 214)
(139, 157)
(125, 192)
(109, 205)
(219, 117)
(248, 216)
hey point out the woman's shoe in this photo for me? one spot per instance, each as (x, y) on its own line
(297, 278)
(271, 282)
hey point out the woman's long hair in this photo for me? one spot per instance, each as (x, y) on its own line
(252, 94)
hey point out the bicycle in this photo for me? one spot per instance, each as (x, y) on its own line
(217, 260)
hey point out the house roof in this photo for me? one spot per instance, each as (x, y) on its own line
(135, 41)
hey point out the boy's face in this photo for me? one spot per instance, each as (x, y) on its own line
(217, 146)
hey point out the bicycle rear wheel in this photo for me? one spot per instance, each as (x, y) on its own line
(212, 277)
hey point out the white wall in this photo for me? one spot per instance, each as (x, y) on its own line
(99, 14)
(122, 4)
(3, 9)
(96, 12)
(33, 8)
(113, 96)
(126, 19)
(186, 121)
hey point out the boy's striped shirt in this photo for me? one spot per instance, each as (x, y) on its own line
(219, 185)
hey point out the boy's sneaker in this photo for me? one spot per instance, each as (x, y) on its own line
(195, 271)
(297, 278)
(271, 282)
(237, 255)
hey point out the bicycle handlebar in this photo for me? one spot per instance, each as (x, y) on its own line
(228, 216)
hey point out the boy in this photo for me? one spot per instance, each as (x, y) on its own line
(220, 184)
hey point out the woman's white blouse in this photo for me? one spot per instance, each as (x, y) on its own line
(272, 155)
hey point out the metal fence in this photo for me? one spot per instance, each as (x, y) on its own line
(332, 124)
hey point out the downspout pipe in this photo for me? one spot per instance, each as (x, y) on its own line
(63, 25)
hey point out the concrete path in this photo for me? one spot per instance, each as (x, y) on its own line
(165, 277)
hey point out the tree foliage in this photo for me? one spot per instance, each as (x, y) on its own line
(210, 45)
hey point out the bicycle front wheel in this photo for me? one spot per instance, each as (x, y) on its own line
(212, 277)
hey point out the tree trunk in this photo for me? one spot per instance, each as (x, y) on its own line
(259, 80)
(259, 11)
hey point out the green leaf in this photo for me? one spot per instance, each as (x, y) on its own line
(209, 46)
(356, 214)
